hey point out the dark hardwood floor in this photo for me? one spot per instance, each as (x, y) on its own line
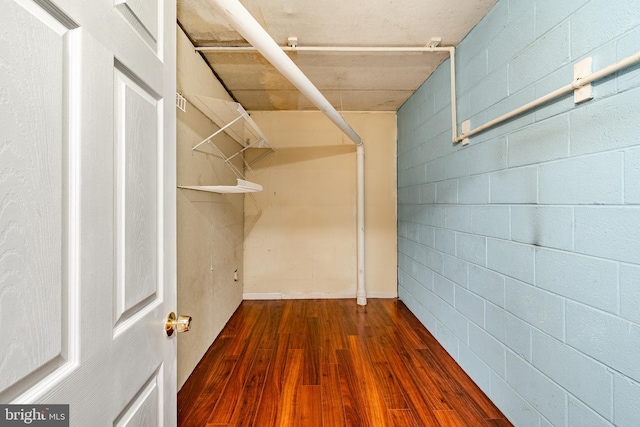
(330, 363)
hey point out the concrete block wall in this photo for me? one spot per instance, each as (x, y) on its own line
(521, 251)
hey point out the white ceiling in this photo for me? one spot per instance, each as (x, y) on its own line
(350, 81)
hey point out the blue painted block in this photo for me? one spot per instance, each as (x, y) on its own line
(630, 292)
(514, 38)
(418, 175)
(550, 13)
(547, 53)
(545, 423)
(627, 46)
(434, 215)
(513, 186)
(412, 285)
(470, 305)
(486, 283)
(540, 142)
(518, 336)
(442, 91)
(537, 307)
(620, 114)
(588, 280)
(495, 320)
(448, 340)
(563, 182)
(588, 380)
(455, 322)
(606, 338)
(581, 415)
(475, 368)
(511, 259)
(435, 171)
(464, 110)
(456, 270)
(490, 90)
(447, 191)
(632, 176)
(457, 165)
(490, 350)
(445, 241)
(493, 22)
(459, 218)
(626, 402)
(426, 318)
(432, 304)
(426, 235)
(470, 70)
(412, 231)
(611, 233)
(426, 193)
(512, 405)
(473, 190)
(404, 194)
(515, 100)
(487, 156)
(491, 221)
(520, 11)
(555, 80)
(444, 288)
(591, 28)
(424, 276)
(433, 259)
(543, 226)
(472, 248)
(542, 393)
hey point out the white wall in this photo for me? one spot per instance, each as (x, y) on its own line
(300, 232)
(210, 226)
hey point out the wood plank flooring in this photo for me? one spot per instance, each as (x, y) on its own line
(330, 363)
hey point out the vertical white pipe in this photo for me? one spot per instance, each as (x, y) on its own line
(245, 24)
(454, 112)
(361, 290)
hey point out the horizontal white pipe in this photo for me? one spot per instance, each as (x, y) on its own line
(250, 29)
(575, 84)
(358, 49)
(353, 49)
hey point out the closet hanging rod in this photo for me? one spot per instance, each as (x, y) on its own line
(577, 83)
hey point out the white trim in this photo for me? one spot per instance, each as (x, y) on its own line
(261, 296)
(385, 295)
(312, 295)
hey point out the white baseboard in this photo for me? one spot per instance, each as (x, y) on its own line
(313, 295)
(261, 296)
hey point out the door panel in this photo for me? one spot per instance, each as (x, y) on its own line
(87, 211)
(32, 246)
(137, 125)
(145, 409)
(143, 15)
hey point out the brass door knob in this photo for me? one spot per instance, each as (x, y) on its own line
(179, 323)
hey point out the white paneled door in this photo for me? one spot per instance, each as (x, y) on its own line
(87, 208)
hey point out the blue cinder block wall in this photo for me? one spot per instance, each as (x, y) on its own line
(521, 251)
